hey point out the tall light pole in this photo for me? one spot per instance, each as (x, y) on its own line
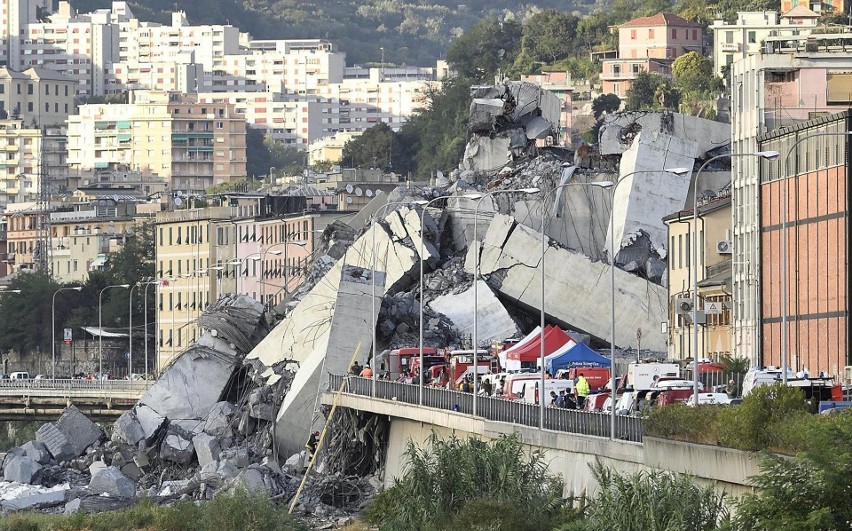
(544, 241)
(101, 328)
(145, 296)
(784, 214)
(376, 217)
(613, 391)
(422, 260)
(53, 324)
(768, 155)
(476, 254)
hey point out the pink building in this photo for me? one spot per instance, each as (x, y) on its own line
(649, 44)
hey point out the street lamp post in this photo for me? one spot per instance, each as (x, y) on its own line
(768, 155)
(53, 324)
(544, 240)
(422, 252)
(612, 190)
(101, 329)
(476, 282)
(145, 310)
(784, 218)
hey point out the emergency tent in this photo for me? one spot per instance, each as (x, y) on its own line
(576, 355)
(520, 344)
(554, 339)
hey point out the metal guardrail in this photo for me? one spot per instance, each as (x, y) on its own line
(65, 387)
(497, 409)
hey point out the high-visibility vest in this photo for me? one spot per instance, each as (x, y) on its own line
(582, 386)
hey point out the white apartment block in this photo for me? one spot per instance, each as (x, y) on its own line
(20, 160)
(732, 42)
(793, 80)
(194, 145)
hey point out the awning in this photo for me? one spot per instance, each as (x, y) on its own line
(100, 332)
(97, 263)
(520, 344)
(554, 338)
(101, 164)
(123, 137)
(123, 124)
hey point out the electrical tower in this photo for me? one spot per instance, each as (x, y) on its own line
(44, 264)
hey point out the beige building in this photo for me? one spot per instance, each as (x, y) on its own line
(193, 145)
(713, 274)
(20, 161)
(81, 241)
(330, 148)
(36, 96)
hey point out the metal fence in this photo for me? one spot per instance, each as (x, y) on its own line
(74, 384)
(497, 409)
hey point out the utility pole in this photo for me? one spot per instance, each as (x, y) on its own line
(44, 263)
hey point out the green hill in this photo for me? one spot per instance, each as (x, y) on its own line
(412, 32)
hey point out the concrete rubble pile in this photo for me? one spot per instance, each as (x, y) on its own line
(505, 122)
(204, 426)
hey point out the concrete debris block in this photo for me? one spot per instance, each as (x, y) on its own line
(177, 446)
(239, 457)
(251, 480)
(227, 469)
(112, 481)
(206, 448)
(172, 487)
(538, 128)
(483, 153)
(127, 429)
(619, 130)
(21, 469)
(352, 324)
(73, 506)
(297, 463)
(149, 420)
(218, 422)
(78, 429)
(574, 284)
(246, 425)
(58, 446)
(641, 203)
(37, 452)
(96, 467)
(132, 471)
(493, 320)
(33, 499)
(264, 411)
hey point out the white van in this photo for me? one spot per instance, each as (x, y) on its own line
(768, 376)
(19, 376)
(531, 389)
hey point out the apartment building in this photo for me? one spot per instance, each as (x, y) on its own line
(37, 96)
(20, 162)
(714, 279)
(818, 6)
(4, 249)
(732, 42)
(22, 233)
(193, 145)
(815, 181)
(330, 148)
(649, 44)
(792, 81)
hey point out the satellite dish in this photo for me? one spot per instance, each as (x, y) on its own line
(348, 200)
(348, 188)
(359, 192)
(179, 193)
(369, 193)
(178, 201)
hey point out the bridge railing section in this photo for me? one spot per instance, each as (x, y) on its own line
(497, 409)
(75, 385)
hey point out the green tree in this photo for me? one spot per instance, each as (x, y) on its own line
(258, 159)
(444, 477)
(605, 103)
(485, 48)
(694, 74)
(287, 159)
(811, 491)
(27, 315)
(548, 36)
(651, 91)
(378, 147)
(661, 501)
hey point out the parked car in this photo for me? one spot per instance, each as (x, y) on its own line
(20, 375)
(721, 399)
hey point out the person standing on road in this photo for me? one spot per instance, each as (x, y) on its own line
(581, 387)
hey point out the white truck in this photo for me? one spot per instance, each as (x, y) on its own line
(641, 376)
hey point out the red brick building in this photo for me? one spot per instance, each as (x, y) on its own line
(817, 226)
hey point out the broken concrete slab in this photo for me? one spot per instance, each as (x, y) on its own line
(650, 193)
(305, 329)
(177, 446)
(262, 411)
(493, 320)
(21, 469)
(112, 481)
(218, 422)
(484, 153)
(577, 288)
(35, 498)
(73, 506)
(37, 452)
(127, 429)
(251, 480)
(79, 431)
(620, 129)
(132, 471)
(352, 325)
(149, 420)
(206, 448)
(55, 442)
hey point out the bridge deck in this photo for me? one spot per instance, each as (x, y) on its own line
(46, 399)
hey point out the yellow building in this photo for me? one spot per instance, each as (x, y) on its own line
(714, 279)
(20, 160)
(193, 145)
(330, 148)
(37, 95)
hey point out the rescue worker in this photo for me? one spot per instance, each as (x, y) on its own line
(366, 372)
(581, 389)
(313, 440)
(355, 370)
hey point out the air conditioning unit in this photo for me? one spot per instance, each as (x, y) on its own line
(724, 247)
(683, 306)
